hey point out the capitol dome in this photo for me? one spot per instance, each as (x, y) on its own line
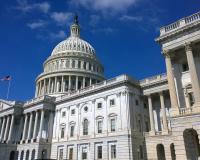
(73, 65)
(73, 44)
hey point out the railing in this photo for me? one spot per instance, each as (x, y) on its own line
(38, 99)
(153, 79)
(180, 23)
(184, 111)
(108, 82)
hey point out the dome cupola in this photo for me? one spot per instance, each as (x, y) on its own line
(73, 65)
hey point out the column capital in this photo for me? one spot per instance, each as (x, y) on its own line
(166, 52)
(188, 46)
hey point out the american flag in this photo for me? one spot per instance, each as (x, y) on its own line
(6, 78)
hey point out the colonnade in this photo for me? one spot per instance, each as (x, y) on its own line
(62, 84)
(30, 128)
(193, 75)
(6, 128)
(151, 115)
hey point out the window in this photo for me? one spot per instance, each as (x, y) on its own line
(185, 67)
(72, 111)
(73, 64)
(84, 65)
(79, 64)
(62, 132)
(99, 152)
(113, 151)
(85, 127)
(71, 154)
(72, 131)
(136, 102)
(60, 154)
(84, 153)
(86, 109)
(63, 114)
(99, 105)
(112, 102)
(112, 125)
(191, 97)
(99, 126)
(141, 152)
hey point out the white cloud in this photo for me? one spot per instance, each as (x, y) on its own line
(131, 18)
(59, 35)
(36, 24)
(106, 5)
(24, 6)
(62, 17)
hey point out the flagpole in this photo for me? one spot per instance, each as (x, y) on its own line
(8, 91)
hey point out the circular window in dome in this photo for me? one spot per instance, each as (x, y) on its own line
(86, 109)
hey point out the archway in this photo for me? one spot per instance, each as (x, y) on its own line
(191, 141)
(172, 149)
(12, 155)
(27, 155)
(22, 155)
(33, 154)
(160, 152)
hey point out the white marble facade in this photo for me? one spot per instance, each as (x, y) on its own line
(78, 115)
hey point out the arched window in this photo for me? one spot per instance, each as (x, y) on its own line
(27, 155)
(22, 155)
(85, 127)
(33, 154)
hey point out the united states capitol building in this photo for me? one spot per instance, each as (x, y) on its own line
(77, 114)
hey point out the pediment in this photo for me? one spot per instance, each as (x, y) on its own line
(5, 104)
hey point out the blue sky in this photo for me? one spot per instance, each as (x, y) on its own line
(121, 31)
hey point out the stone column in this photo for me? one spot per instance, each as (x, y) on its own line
(35, 125)
(39, 88)
(152, 123)
(69, 83)
(83, 82)
(45, 88)
(24, 130)
(193, 73)
(55, 85)
(41, 123)
(162, 102)
(90, 81)
(36, 90)
(62, 84)
(171, 83)
(2, 128)
(50, 84)
(30, 126)
(11, 128)
(7, 127)
(76, 82)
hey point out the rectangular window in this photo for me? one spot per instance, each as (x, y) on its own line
(99, 152)
(99, 105)
(60, 154)
(72, 111)
(136, 102)
(112, 125)
(62, 132)
(112, 102)
(113, 151)
(185, 67)
(84, 153)
(99, 126)
(72, 131)
(71, 154)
